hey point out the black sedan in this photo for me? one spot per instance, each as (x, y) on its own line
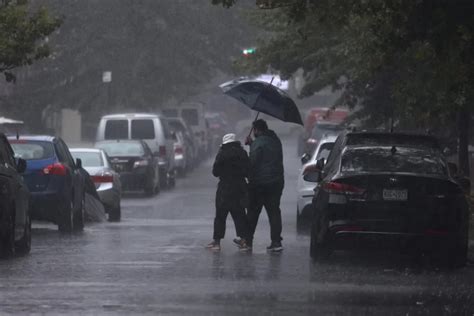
(399, 195)
(134, 161)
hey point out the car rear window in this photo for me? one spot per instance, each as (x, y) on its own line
(374, 139)
(89, 159)
(392, 159)
(116, 129)
(32, 150)
(191, 116)
(143, 129)
(122, 149)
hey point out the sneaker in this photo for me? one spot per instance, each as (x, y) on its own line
(244, 246)
(237, 241)
(214, 245)
(275, 247)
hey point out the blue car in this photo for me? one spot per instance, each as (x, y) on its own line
(54, 180)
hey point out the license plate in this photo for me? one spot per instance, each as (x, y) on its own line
(395, 195)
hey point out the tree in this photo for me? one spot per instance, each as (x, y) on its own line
(22, 35)
(403, 60)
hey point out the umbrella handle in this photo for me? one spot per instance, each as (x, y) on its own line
(251, 130)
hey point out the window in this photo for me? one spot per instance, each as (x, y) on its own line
(191, 116)
(116, 129)
(32, 150)
(143, 129)
(89, 159)
(324, 151)
(388, 159)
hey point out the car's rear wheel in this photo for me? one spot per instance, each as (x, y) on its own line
(7, 247)
(66, 217)
(79, 216)
(115, 214)
(320, 248)
(23, 246)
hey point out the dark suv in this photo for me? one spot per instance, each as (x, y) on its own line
(14, 198)
(389, 189)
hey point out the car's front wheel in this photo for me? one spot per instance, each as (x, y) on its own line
(23, 246)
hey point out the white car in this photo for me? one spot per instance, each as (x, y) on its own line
(305, 188)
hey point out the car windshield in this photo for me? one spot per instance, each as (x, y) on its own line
(32, 150)
(122, 149)
(89, 159)
(393, 159)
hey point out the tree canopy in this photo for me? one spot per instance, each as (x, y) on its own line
(410, 60)
(23, 35)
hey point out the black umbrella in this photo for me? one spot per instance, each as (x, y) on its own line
(264, 97)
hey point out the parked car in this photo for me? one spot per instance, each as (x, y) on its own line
(389, 189)
(305, 188)
(151, 128)
(136, 164)
(315, 116)
(181, 154)
(177, 124)
(193, 114)
(54, 180)
(218, 127)
(320, 130)
(105, 178)
(15, 221)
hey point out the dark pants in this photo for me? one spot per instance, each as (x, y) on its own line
(267, 196)
(232, 202)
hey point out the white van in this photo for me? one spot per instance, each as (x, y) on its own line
(143, 126)
(193, 114)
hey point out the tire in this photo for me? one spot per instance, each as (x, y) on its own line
(319, 250)
(66, 218)
(456, 254)
(79, 216)
(115, 214)
(23, 246)
(7, 247)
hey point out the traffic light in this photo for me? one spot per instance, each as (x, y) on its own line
(249, 51)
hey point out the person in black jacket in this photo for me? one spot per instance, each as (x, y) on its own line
(232, 167)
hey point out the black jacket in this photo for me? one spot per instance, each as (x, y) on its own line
(266, 157)
(232, 167)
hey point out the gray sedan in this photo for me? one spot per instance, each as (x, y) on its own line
(106, 179)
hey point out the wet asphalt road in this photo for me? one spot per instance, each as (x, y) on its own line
(154, 262)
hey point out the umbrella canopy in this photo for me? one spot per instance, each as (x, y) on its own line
(263, 97)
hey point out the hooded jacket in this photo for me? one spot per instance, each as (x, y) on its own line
(266, 160)
(232, 167)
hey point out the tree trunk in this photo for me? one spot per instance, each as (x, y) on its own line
(464, 117)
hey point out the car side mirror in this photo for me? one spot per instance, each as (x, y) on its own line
(312, 176)
(305, 158)
(21, 165)
(78, 163)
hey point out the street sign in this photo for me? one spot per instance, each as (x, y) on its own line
(107, 76)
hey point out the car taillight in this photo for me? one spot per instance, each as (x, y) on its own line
(56, 169)
(102, 179)
(178, 150)
(162, 151)
(342, 188)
